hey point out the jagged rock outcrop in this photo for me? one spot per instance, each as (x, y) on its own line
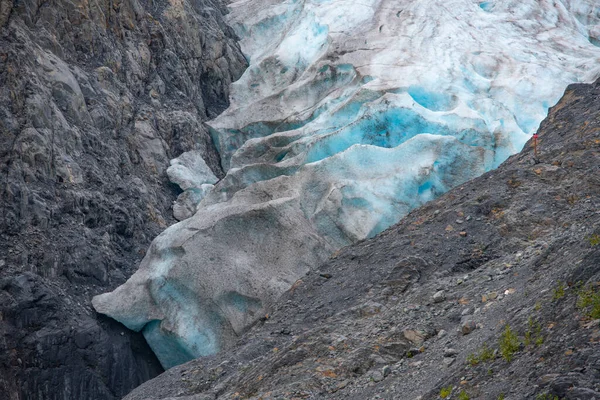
(349, 116)
(95, 98)
(410, 313)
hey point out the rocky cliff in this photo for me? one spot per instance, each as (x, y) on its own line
(489, 292)
(95, 98)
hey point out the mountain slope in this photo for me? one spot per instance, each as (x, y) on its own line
(95, 98)
(518, 247)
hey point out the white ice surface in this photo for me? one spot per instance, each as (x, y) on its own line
(190, 171)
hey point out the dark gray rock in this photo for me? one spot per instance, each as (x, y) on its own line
(439, 296)
(467, 327)
(95, 98)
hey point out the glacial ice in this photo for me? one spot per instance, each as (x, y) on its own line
(190, 172)
(348, 116)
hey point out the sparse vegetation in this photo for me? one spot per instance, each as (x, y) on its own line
(594, 239)
(445, 392)
(472, 359)
(508, 344)
(539, 341)
(463, 396)
(589, 302)
(501, 396)
(533, 335)
(559, 291)
(485, 354)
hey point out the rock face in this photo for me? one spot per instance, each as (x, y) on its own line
(95, 98)
(349, 116)
(365, 325)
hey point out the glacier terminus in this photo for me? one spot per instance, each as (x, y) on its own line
(349, 115)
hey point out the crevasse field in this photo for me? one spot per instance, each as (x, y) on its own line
(350, 115)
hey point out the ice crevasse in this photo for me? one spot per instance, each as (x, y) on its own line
(349, 115)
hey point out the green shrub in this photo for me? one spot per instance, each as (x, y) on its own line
(508, 344)
(485, 354)
(445, 392)
(463, 396)
(539, 341)
(472, 359)
(589, 302)
(533, 335)
(559, 291)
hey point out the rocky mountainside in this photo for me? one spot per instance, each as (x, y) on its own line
(95, 98)
(489, 292)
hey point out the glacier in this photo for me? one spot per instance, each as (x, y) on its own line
(190, 172)
(348, 116)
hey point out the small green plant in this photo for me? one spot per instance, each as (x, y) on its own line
(559, 291)
(445, 392)
(589, 302)
(501, 396)
(539, 341)
(594, 239)
(463, 396)
(538, 306)
(508, 344)
(472, 359)
(485, 354)
(533, 335)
